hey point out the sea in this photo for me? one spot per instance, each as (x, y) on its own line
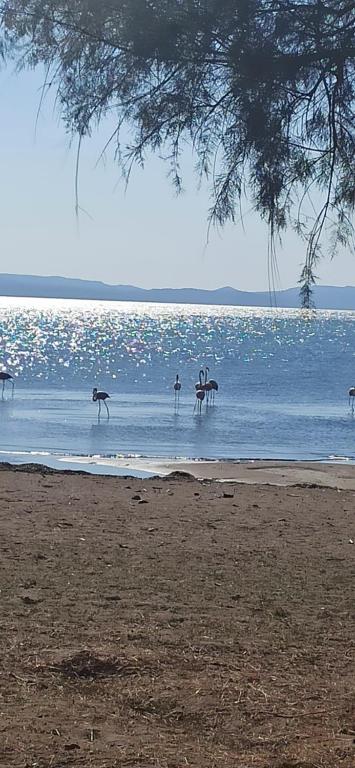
(283, 379)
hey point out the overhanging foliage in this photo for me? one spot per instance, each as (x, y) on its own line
(264, 90)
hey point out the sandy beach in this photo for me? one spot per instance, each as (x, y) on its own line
(282, 473)
(174, 622)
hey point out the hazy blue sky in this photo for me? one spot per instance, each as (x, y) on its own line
(145, 236)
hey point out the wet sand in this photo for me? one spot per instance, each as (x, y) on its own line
(173, 622)
(283, 473)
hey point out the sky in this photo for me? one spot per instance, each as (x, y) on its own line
(143, 236)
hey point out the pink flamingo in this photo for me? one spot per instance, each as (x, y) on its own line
(351, 394)
(177, 388)
(199, 384)
(200, 392)
(207, 385)
(200, 396)
(100, 397)
(213, 386)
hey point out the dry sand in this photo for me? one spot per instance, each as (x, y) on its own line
(171, 622)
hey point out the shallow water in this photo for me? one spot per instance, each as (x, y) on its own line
(283, 380)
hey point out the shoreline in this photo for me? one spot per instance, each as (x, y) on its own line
(283, 473)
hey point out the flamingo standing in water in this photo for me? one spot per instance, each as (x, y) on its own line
(200, 392)
(199, 383)
(351, 394)
(214, 386)
(100, 397)
(177, 388)
(207, 385)
(4, 377)
(200, 396)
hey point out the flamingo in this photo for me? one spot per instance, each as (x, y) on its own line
(207, 385)
(200, 396)
(214, 388)
(4, 377)
(177, 388)
(200, 392)
(100, 397)
(351, 394)
(199, 384)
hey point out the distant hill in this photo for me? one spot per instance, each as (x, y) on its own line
(326, 297)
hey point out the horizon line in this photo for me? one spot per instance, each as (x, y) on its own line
(267, 290)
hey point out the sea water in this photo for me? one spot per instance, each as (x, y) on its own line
(283, 378)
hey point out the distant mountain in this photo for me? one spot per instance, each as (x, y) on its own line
(326, 297)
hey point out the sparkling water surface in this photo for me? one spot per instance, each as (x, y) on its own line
(283, 379)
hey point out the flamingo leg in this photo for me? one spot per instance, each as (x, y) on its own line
(3, 388)
(108, 412)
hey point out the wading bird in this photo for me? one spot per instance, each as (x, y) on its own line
(214, 388)
(177, 388)
(101, 397)
(200, 396)
(351, 394)
(4, 377)
(199, 383)
(207, 385)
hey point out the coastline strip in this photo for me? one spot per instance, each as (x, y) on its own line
(254, 472)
